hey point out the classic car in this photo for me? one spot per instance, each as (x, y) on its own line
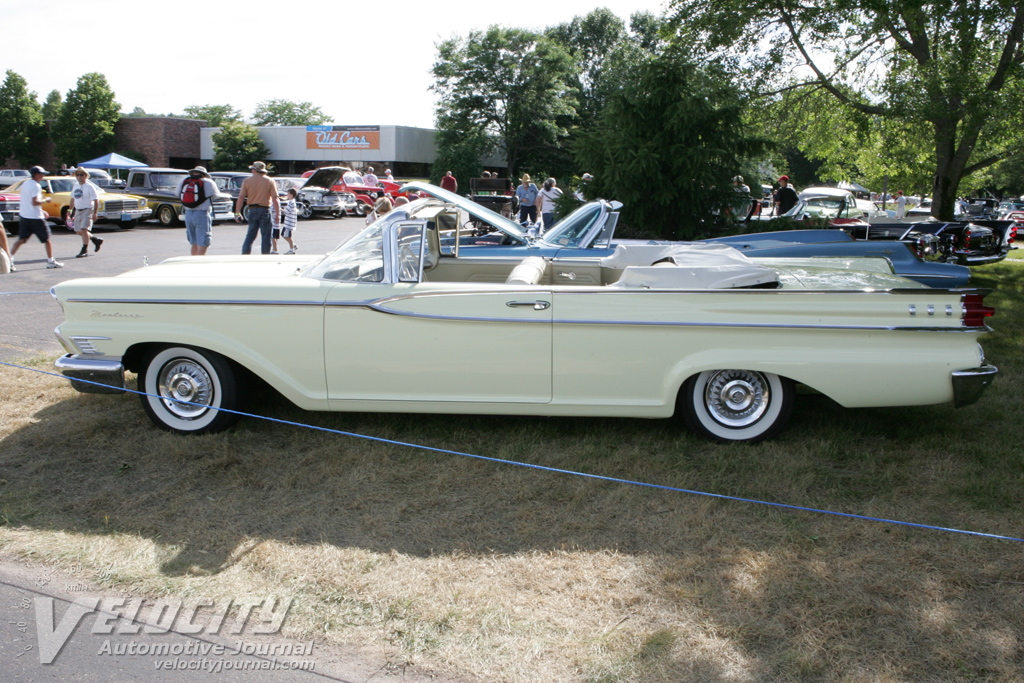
(160, 188)
(124, 209)
(100, 178)
(9, 176)
(322, 193)
(351, 182)
(230, 184)
(591, 228)
(650, 331)
(10, 202)
(970, 243)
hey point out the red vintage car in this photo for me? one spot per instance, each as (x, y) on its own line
(352, 183)
(366, 195)
(10, 202)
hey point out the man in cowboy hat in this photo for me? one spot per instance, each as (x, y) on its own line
(260, 193)
(199, 218)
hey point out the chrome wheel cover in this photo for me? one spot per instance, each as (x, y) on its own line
(736, 398)
(183, 382)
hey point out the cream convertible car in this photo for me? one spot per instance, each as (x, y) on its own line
(649, 331)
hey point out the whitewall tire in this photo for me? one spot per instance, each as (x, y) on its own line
(737, 405)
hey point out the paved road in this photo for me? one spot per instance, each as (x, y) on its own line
(28, 314)
(56, 627)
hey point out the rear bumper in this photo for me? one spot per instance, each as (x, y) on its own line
(104, 376)
(969, 385)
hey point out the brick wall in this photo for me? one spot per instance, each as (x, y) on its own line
(160, 141)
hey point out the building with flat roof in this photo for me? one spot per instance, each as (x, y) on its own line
(408, 152)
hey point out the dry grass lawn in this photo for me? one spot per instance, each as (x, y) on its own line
(511, 574)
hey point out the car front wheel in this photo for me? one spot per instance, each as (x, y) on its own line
(184, 389)
(305, 210)
(360, 209)
(167, 215)
(737, 405)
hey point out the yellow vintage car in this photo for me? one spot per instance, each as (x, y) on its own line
(115, 207)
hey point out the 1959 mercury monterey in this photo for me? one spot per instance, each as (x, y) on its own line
(648, 331)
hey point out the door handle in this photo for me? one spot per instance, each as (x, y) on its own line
(537, 305)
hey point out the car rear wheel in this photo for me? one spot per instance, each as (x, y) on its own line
(737, 405)
(167, 215)
(305, 210)
(184, 388)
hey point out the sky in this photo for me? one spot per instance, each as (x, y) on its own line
(360, 66)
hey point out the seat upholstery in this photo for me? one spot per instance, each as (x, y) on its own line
(529, 272)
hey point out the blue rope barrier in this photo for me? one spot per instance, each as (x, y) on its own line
(556, 470)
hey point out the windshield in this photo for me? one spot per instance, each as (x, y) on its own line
(167, 181)
(571, 230)
(361, 259)
(62, 185)
(352, 179)
(818, 207)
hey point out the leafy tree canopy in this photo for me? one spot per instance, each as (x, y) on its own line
(21, 120)
(950, 71)
(288, 113)
(236, 145)
(215, 115)
(510, 86)
(52, 106)
(667, 145)
(85, 126)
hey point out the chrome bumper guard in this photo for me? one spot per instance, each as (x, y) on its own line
(969, 385)
(108, 375)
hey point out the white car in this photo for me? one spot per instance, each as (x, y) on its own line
(9, 176)
(383, 323)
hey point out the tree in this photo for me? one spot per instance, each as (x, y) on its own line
(52, 106)
(590, 40)
(954, 68)
(21, 120)
(508, 85)
(288, 113)
(667, 145)
(85, 127)
(215, 115)
(236, 145)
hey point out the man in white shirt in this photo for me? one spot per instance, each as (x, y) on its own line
(31, 219)
(85, 201)
(901, 205)
(370, 180)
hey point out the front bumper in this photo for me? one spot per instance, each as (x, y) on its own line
(970, 384)
(130, 215)
(104, 376)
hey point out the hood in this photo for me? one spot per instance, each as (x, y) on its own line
(326, 177)
(477, 211)
(235, 279)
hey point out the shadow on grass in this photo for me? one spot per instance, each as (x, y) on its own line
(788, 594)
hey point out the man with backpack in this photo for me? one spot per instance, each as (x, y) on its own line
(197, 193)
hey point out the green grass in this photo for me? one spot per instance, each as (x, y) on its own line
(507, 573)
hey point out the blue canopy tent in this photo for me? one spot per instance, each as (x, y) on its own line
(112, 161)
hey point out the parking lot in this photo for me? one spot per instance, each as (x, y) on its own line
(29, 314)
